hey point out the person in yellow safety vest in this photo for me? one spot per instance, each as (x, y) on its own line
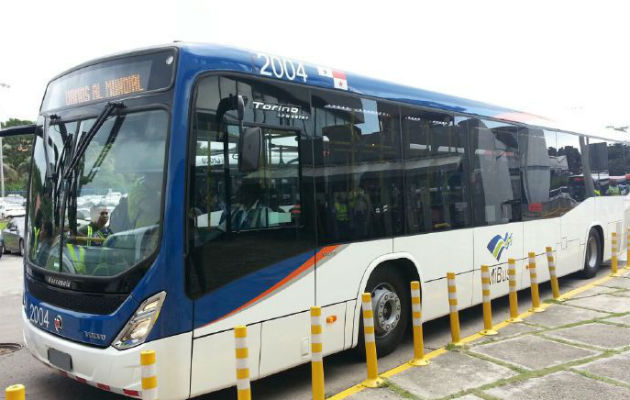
(78, 257)
(99, 215)
(341, 209)
(613, 189)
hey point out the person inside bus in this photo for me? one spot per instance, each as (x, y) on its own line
(342, 218)
(97, 231)
(613, 188)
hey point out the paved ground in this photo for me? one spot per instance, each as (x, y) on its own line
(579, 349)
(481, 370)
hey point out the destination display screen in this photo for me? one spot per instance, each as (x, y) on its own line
(111, 79)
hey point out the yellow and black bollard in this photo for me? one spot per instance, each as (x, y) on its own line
(487, 302)
(372, 380)
(454, 312)
(555, 287)
(534, 283)
(416, 313)
(317, 361)
(514, 316)
(15, 392)
(243, 388)
(613, 258)
(149, 375)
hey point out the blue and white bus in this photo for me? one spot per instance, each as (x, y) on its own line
(179, 191)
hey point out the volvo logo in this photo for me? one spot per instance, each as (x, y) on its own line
(58, 323)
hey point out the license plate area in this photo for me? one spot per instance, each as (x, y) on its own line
(60, 359)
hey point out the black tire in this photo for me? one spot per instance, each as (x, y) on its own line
(592, 254)
(1, 250)
(386, 276)
(21, 248)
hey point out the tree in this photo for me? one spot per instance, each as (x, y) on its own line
(17, 156)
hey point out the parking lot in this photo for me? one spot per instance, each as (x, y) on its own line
(581, 347)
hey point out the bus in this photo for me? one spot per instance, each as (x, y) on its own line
(178, 191)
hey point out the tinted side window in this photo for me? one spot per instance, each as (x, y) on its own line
(545, 195)
(435, 172)
(357, 168)
(617, 168)
(495, 171)
(575, 168)
(240, 222)
(598, 160)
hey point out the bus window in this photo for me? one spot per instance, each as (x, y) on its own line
(435, 178)
(598, 161)
(357, 168)
(545, 193)
(618, 170)
(577, 176)
(495, 171)
(244, 221)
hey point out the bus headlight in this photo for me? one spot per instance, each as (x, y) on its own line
(137, 329)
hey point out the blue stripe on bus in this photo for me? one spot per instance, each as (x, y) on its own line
(235, 294)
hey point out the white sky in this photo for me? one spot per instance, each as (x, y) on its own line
(569, 60)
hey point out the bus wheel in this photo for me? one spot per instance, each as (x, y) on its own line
(593, 256)
(390, 302)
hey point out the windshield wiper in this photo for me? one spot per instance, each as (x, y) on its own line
(82, 147)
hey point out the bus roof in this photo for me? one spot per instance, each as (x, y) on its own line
(195, 58)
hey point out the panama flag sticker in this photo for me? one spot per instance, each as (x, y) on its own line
(338, 77)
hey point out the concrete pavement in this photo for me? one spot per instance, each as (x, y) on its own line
(578, 349)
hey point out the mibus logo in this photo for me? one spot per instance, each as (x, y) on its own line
(497, 244)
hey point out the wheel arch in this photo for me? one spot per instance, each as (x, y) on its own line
(403, 262)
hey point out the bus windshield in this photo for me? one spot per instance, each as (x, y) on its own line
(96, 205)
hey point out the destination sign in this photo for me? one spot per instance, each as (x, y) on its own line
(104, 90)
(111, 79)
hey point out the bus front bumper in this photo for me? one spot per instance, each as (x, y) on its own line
(117, 371)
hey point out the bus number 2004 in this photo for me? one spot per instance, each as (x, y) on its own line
(282, 68)
(38, 315)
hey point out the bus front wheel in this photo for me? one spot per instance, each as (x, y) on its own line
(390, 303)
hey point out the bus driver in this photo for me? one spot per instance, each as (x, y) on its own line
(97, 228)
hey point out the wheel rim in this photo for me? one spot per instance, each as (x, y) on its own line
(387, 309)
(591, 253)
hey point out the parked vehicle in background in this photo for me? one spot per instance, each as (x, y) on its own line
(12, 206)
(1, 245)
(13, 236)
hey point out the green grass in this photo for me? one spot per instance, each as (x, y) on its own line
(3, 224)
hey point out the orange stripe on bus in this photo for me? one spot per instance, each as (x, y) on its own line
(307, 265)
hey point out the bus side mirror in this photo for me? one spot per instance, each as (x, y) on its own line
(250, 149)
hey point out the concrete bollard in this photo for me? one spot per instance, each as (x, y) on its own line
(487, 302)
(514, 316)
(15, 392)
(555, 287)
(372, 380)
(149, 375)
(317, 361)
(613, 259)
(534, 283)
(416, 314)
(454, 312)
(243, 388)
(628, 248)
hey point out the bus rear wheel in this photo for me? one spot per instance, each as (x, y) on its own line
(593, 254)
(390, 302)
